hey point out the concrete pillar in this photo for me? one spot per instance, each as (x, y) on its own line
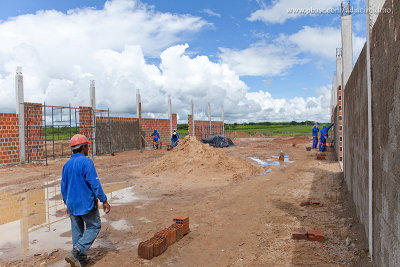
(347, 48)
(170, 115)
(209, 115)
(372, 6)
(137, 102)
(19, 90)
(93, 105)
(192, 106)
(339, 67)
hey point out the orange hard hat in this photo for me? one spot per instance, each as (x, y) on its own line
(78, 139)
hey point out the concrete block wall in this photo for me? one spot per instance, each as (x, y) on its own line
(9, 138)
(34, 144)
(385, 87)
(385, 77)
(356, 138)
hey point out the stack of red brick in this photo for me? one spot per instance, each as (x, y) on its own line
(159, 243)
(311, 235)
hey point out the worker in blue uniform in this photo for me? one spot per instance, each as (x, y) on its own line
(175, 138)
(156, 138)
(315, 131)
(81, 190)
(324, 136)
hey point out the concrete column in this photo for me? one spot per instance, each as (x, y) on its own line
(192, 106)
(170, 115)
(137, 102)
(93, 105)
(339, 67)
(19, 90)
(372, 6)
(209, 115)
(347, 48)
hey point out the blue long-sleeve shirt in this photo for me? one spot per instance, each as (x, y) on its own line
(156, 136)
(315, 131)
(324, 131)
(80, 185)
(176, 137)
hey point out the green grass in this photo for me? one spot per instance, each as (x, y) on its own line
(60, 133)
(270, 128)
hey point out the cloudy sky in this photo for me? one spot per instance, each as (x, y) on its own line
(255, 57)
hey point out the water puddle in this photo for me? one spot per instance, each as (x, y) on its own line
(269, 162)
(273, 161)
(34, 221)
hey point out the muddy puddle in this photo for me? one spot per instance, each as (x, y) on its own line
(272, 161)
(34, 221)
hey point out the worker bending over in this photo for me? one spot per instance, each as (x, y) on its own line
(324, 136)
(175, 138)
(81, 190)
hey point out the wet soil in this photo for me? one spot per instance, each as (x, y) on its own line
(244, 220)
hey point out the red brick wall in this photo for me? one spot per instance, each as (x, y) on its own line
(9, 138)
(162, 126)
(340, 122)
(203, 124)
(148, 125)
(34, 145)
(86, 123)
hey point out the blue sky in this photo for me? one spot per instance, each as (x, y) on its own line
(251, 56)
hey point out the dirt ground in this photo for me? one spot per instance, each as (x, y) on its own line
(235, 220)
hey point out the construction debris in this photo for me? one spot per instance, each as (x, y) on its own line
(310, 235)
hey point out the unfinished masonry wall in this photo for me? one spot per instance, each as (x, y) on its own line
(202, 128)
(356, 138)
(385, 76)
(124, 134)
(9, 138)
(385, 86)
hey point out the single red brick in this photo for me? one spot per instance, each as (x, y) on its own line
(299, 234)
(315, 235)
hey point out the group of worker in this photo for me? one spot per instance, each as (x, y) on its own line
(322, 138)
(157, 138)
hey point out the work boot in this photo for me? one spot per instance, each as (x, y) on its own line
(72, 258)
(84, 259)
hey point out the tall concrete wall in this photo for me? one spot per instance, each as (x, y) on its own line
(356, 137)
(385, 78)
(385, 87)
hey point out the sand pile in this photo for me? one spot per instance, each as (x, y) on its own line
(193, 158)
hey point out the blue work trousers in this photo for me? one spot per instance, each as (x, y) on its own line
(82, 239)
(322, 144)
(315, 142)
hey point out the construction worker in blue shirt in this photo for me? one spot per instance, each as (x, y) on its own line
(156, 138)
(175, 138)
(81, 190)
(324, 136)
(315, 131)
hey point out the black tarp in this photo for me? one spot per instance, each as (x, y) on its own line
(218, 141)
